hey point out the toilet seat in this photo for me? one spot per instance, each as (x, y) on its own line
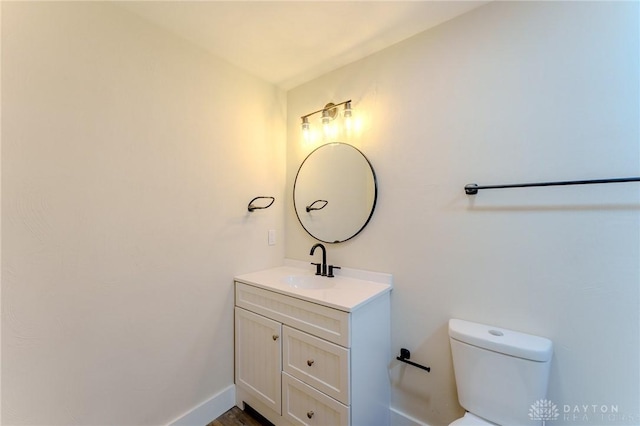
(471, 420)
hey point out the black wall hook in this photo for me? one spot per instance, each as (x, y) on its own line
(251, 207)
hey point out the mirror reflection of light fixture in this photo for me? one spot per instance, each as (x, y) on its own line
(329, 113)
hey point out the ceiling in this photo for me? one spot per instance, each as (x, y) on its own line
(290, 42)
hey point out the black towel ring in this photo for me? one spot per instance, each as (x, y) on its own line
(251, 207)
(311, 206)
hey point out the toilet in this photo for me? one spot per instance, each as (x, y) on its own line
(500, 374)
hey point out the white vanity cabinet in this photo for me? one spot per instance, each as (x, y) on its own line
(301, 362)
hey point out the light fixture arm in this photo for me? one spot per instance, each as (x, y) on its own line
(326, 108)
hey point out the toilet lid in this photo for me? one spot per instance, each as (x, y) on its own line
(471, 420)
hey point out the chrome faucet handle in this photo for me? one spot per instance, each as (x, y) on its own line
(331, 268)
(318, 268)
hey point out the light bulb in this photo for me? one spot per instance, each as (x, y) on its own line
(305, 129)
(326, 121)
(347, 110)
(305, 124)
(326, 118)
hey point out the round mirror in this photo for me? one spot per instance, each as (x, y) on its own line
(335, 192)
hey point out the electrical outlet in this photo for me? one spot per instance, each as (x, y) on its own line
(272, 237)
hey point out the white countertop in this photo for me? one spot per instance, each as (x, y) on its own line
(347, 291)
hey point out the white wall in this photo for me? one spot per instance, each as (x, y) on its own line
(511, 92)
(128, 160)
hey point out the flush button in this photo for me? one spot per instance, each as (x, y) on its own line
(496, 333)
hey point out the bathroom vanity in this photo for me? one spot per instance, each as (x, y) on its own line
(312, 350)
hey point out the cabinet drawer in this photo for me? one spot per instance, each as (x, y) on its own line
(316, 362)
(303, 405)
(327, 323)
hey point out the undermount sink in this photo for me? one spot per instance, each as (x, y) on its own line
(308, 281)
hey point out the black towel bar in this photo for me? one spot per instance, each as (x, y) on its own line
(473, 188)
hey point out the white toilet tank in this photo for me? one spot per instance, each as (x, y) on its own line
(500, 374)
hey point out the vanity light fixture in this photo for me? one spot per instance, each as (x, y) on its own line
(329, 113)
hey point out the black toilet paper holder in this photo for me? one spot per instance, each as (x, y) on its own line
(405, 355)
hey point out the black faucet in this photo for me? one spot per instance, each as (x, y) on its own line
(320, 271)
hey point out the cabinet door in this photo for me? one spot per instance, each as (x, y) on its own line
(258, 357)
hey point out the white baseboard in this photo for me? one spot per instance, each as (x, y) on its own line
(398, 418)
(209, 410)
(224, 400)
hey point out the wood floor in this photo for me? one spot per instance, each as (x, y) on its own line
(237, 417)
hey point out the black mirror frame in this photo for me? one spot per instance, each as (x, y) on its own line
(375, 193)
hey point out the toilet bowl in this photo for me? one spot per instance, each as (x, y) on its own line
(471, 420)
(499, 373)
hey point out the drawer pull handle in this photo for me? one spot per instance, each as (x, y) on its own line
(275, 337)
(310, 414)
(310, 362)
